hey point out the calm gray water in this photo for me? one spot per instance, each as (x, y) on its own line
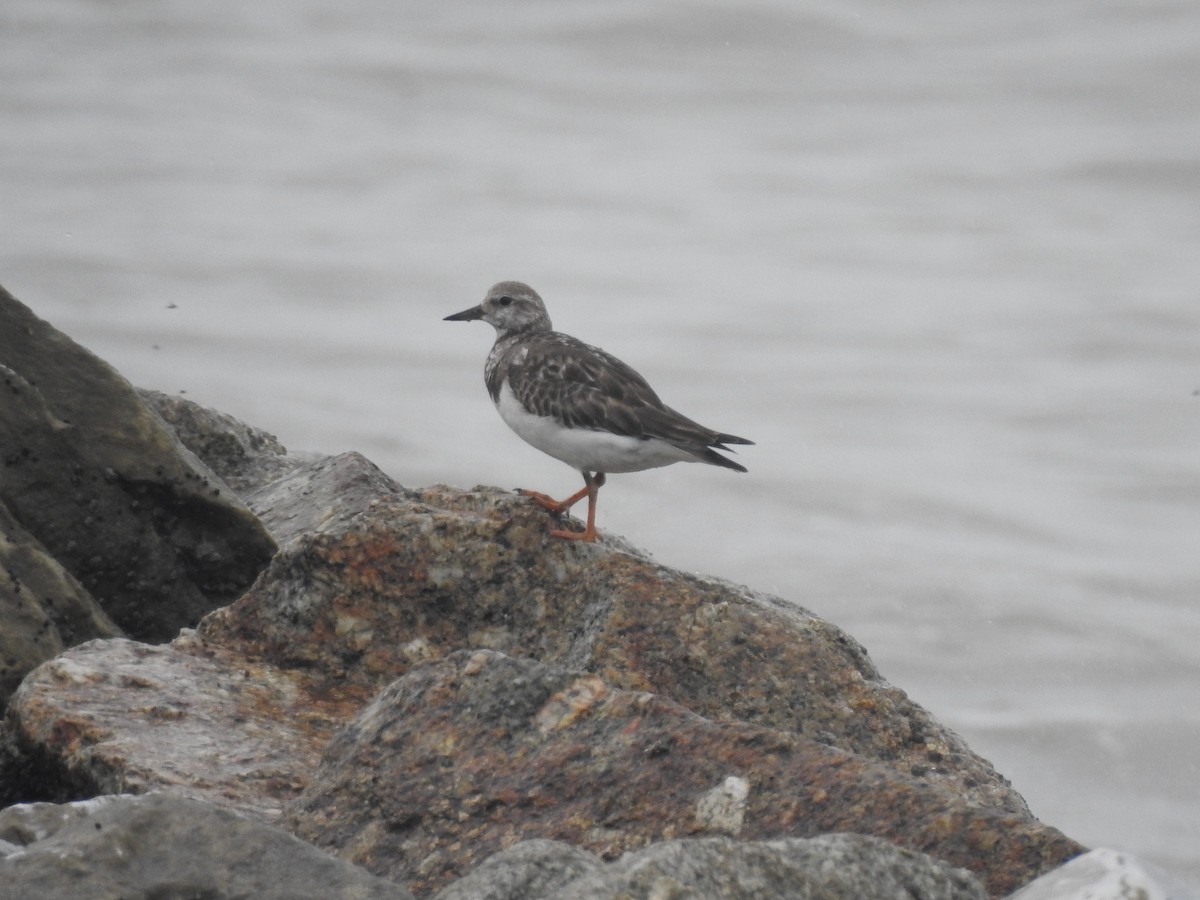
(939, 259)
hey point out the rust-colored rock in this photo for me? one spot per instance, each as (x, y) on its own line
(632, 703)
(387, 577)
(466, 756)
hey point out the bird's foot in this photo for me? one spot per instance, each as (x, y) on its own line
(589, 534)
(545, 501)
(560, 507)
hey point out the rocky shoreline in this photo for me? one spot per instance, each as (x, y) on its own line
(257, 674)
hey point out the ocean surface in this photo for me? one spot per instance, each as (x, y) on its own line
(940, 260)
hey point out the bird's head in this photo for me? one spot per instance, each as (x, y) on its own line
(510, 307)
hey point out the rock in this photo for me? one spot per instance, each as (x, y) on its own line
(830, 867)
(106, 489)
(530, 870)
(119, 716)
(28, 774)
(677, 705)
(378, 577)
(464, 756)
(159, 846)
(110, 717)
(1104, 874)
(42, 608)
(327, 495)
(245, 458)
(289, 495)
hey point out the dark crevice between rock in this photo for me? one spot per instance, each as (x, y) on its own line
(30, 773)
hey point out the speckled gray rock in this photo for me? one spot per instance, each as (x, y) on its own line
(163, 846)
(829, 867)
(530, 870)
(244, 457)
(291, 495)
(322, 495)
(104, 486)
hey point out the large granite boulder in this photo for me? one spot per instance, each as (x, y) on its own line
(116, 524)
(754, 718)
(378, 577)
(462, 757)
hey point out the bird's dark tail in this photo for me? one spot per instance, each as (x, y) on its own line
(730, 439)
(710, 455)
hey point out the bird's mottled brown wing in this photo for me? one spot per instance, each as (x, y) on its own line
(579, 385)
(582, 386)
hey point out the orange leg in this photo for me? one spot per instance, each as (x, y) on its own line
(590, 489)
(558, 507)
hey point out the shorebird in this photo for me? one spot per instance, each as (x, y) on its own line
(579, 404)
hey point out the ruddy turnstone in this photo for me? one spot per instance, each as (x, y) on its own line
(579, 404)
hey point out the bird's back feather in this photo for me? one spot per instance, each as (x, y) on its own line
(580, 386)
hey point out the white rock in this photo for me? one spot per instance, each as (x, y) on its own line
(724, 807)
(1104, 874)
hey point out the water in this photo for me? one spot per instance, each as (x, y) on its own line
(939, 261)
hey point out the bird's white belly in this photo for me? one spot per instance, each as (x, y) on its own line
(583, 448)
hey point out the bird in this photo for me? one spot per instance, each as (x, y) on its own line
(581, 405)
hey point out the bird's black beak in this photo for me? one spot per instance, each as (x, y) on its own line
(467, 315)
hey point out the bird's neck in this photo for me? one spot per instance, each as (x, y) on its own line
(511, 335)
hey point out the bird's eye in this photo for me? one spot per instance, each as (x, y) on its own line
(505, 301)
